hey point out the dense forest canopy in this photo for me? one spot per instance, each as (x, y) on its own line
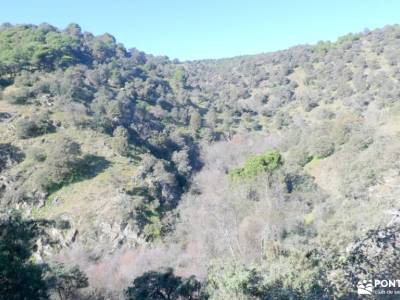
(129, 176)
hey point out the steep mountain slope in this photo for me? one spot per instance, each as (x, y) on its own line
(265, 176)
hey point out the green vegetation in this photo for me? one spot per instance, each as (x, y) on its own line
(26, 47)
(322, 47)
(120, 142)
(256, 165)
(124, 157)
(61, 162)
(44, 47)
(163, 285)
(180, 77)
(20, 276)
(149, 219)
(34, 126)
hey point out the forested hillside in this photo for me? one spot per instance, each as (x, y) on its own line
(129, 176)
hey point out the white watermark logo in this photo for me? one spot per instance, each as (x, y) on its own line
(378, 287)
(365, 287)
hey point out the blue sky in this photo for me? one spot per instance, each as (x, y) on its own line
(208, 28)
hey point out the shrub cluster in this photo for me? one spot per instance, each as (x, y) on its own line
(256, 165)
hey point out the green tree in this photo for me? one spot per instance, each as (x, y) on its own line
(29, 47)
(211, 118)
(195, 121)
(257, 164)
(62, 163)
(163, 286)
(120, 141)
(36, 125)
(20, 278)
(66, 281)
(180, 78)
